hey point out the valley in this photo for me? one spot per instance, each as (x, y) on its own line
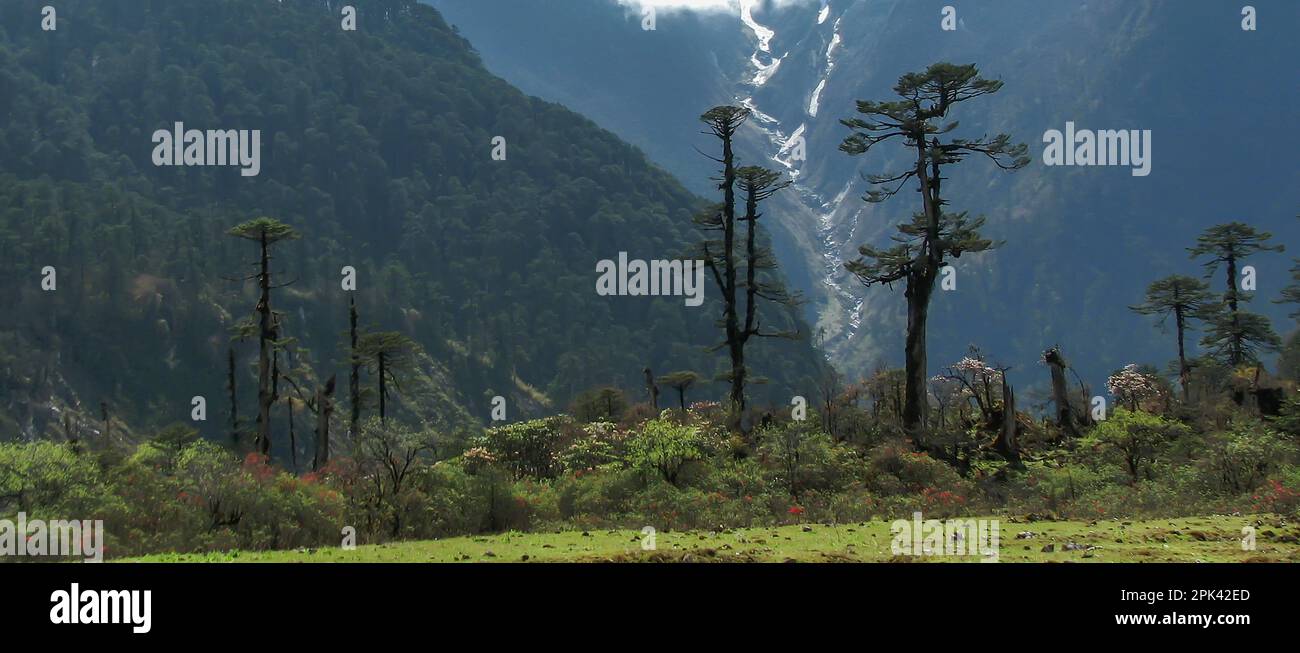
(1075, 253)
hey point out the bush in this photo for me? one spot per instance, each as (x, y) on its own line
(1280, 494)
(802, 458)
(895, 469)
(530, 448)
(1240, 460)
(596, 444)
(251, 504)
(591, 498)
(48, 479)
(1134, 438)
(665, 448)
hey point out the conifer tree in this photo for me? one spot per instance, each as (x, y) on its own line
(925, 243)
(1183, 298)
(266, 232)
(388, 355)
(681, 382)
(1234, 335)
(727, 258)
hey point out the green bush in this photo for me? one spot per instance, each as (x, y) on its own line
(590, 499)
(1135, 439)
(665, 448)
(530, 448)
(895, 469)
(801, 458)
(1240, 460)
(48, 479)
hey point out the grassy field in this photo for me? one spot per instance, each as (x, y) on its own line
(1194, 539)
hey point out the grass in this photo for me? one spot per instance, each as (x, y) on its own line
(1192, 539)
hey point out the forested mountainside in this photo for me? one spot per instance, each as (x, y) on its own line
(393, 311)
(377, 148)
(1081, 243)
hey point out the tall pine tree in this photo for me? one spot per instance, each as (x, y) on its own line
(1234, 335)
(1183, 298)
(727, 258)
(918, 119)
(266, 232)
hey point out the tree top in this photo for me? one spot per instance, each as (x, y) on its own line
(269, 228)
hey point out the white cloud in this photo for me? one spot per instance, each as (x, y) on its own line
(681, 4)
(701, 5)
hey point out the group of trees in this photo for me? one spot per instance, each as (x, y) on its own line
(921, 120)
(727, 256)
(383, 163)
(388, 357)
(1233, 336)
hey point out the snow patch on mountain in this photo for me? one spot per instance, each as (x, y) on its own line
(765, 72)
(815, 103)
(765, 65)
(816, 98)
(833, 231)
(763, 34)
(791, 162)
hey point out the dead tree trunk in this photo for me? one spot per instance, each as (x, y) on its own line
(1065, 418)
(1008, 442)
(651, 389)
(354, 375)
(383, 387)
(293, 440)
(234, 401)
(324, 408)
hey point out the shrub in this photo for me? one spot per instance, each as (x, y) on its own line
(894, 469)
(530, 448)
(44, 478)
(597, 444)
(800, 458)
(1281, 494)
(1238, 461)
(1135, 438)
(590, 498)
(665, 448)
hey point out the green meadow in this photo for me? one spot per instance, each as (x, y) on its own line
(1193, 539)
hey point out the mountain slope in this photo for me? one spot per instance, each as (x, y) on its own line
(1081, 243)
(377, 146)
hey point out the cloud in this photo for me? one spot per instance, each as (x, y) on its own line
(702, 5)
(698, 5)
